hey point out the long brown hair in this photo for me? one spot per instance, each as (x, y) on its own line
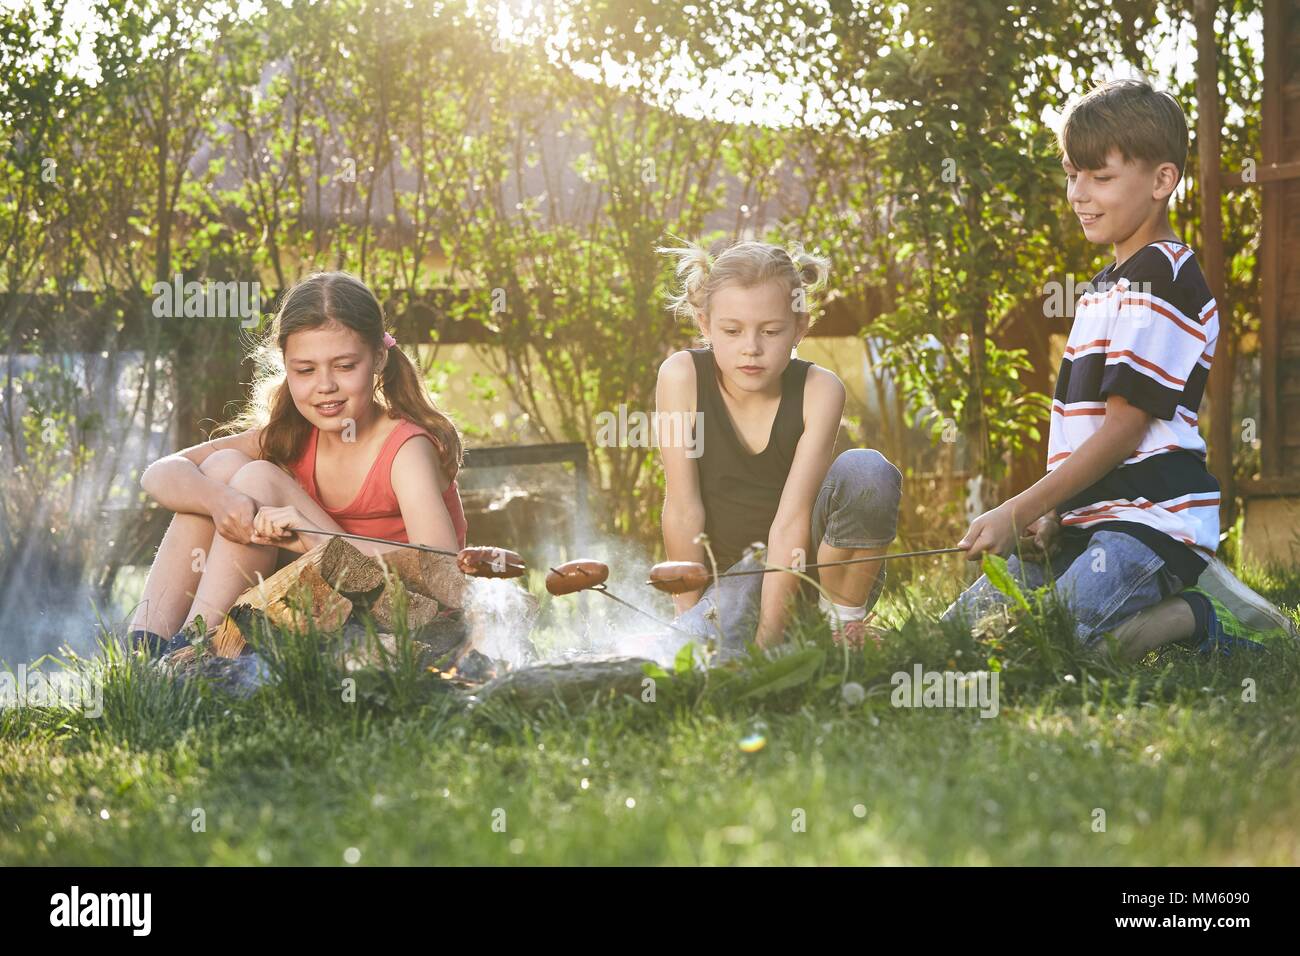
(339, 298)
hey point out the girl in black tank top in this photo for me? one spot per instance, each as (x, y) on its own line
(741, 491)
(794, 495)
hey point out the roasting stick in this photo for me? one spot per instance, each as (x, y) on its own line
(587, 575)
(476, 562)
(662, 623)
(366, 537)
(828, 564)
(677, 577)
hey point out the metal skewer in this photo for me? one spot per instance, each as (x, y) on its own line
(614, 597)
(364, 537)
(827, 564)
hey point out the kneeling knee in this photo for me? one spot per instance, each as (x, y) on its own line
(871, 472)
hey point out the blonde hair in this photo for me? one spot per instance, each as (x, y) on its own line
(321, 299)
(747, 263)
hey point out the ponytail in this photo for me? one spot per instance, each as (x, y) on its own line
(747, 263)
(813, 271)
(692, 271)
(402, 388)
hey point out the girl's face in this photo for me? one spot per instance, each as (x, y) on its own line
(753, 330)
(331, 375)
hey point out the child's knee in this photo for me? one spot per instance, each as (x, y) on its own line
(223, 465)
(257, 478)
(866, 467)
(863, 478)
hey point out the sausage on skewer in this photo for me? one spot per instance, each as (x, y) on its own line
(488, 562)
(574, 576)
(678, 577)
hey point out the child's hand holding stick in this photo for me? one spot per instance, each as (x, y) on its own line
(233, 516)
(1042, 535)
(271, 526)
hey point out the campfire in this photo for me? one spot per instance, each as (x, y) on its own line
(335, 587)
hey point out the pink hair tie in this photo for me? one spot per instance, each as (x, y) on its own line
(389, 341)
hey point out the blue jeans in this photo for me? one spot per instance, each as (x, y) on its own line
(856, 507)
(1104, 580)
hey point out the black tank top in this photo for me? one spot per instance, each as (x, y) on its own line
(741, 491)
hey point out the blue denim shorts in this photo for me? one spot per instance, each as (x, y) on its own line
(856, 507)
(1103, 579)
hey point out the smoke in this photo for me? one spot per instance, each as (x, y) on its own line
(524, 626)
(60, 531)
(77, 429)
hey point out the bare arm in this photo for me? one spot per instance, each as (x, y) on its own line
(418, 482)
(1101, 454)
(683, 515)
(788, 537)
(176, 483)
(1106, 449)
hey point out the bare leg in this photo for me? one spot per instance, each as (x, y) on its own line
(232, 568)
(849, 584)
(1170, 620)
(178, 564)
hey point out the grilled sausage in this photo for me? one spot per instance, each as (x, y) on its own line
(678, 577)
(576, 576)
(486, 562)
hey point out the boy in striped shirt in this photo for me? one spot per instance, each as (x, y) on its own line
(1127, 516)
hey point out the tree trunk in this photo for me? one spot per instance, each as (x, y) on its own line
(1211, 253)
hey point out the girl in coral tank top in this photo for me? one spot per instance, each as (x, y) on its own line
(340, 436)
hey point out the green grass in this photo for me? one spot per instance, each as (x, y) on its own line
(1185, 770)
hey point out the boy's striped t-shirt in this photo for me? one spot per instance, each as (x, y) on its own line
(1146, 331)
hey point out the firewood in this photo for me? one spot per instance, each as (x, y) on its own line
(346, 569)
(431, 575)
(336, 578)
(289, 597)
(420, 610)
(315, 601)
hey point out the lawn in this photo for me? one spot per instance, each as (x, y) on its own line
(1167, 761)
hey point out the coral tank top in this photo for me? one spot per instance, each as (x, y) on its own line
(374, 511)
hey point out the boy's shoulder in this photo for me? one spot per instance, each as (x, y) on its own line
(1168, 270)
(1166, 276)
